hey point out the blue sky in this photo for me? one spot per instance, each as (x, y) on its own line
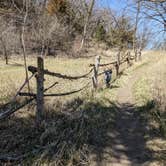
(118, 5)
(115, 4)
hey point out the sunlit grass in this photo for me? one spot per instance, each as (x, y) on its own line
(151, 88)
(153, 74)
(12, 76)
(63, 114)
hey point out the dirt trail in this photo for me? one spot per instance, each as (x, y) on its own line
(128, 144)
(130, 150)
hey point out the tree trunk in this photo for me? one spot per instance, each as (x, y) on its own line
(86, 23)
(5, 51)
(22, 41)
(135, 30)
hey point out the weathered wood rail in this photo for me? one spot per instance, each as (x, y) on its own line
(58, 75)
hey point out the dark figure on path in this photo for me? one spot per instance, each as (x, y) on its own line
(107, 77)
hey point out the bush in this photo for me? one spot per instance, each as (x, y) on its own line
(160, 109)
(100, 33)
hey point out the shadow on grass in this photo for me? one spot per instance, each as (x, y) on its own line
(114, 87)
(83, 132)
(151, 115)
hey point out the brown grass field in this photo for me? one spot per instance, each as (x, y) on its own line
(12, 76)
(76, 125)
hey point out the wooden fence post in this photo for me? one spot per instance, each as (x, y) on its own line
(117, 69)
(128, 59)
(117, 65)
(129, 56)
(118, 58)
(40, 90)
(140, 55)
(136, 55)
(95, 74)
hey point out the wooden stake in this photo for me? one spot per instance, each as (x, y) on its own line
(40, 91)
(117, 69)
(136, 55)
(95, 74)
(128, 61)
(140, 55)
(118, 58)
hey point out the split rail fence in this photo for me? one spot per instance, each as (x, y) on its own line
(39, 72)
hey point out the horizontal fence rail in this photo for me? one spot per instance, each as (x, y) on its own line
(59, 75)
(51, 95)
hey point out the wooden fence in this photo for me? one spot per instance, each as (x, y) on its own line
(39, 72)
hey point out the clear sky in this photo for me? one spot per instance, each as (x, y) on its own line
(119, 5)
(114, 4)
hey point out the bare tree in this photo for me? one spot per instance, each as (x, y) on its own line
(86, 22)
(135, 29)
(144, 37)
(23, 40)
(4, 50)
(6, 36)
(155, 10)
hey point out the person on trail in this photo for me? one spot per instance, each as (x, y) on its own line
(107, 77)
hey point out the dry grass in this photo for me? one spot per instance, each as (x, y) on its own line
(75, 125)
(68, 136)
(13, 75)
(159, 95)
(150, 90)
